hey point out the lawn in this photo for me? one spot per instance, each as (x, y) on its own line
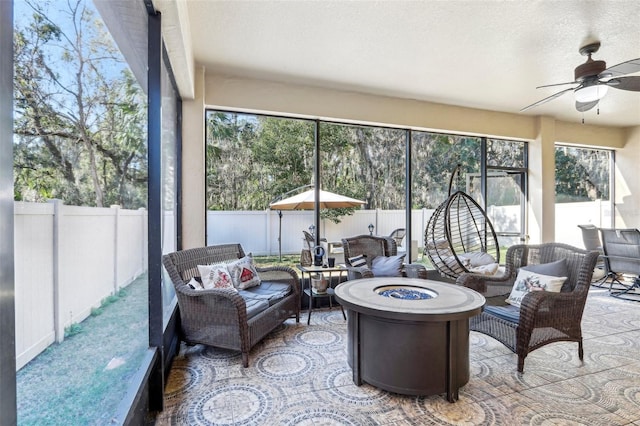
(82, 380)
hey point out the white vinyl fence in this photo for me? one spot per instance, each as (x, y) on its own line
(67, 260)
(258, 231)
(570, 215)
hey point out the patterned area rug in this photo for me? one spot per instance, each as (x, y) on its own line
(299, 375)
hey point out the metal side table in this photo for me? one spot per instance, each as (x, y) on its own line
(312, 270)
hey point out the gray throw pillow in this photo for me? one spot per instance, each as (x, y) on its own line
(555, 269)
(391, 266)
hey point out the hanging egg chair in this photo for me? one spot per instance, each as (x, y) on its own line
(459, 237)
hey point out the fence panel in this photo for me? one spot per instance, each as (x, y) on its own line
(34, 297)
(258, 231)
(569, 215)
(130, 248)
(249, 228)
(65, 265)
(86, 261)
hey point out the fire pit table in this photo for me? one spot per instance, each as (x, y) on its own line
(409, 336)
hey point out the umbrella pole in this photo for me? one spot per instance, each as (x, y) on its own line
(280, 235)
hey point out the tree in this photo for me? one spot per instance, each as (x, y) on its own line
(80, 116)
(253, 159)
(581, 174)
(230, 169)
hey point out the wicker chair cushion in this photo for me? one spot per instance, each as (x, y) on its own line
(255, 306)
(387, 266)
(507, 313)
(271, 292)
(475, 259)
(528, 281)
(489, 269)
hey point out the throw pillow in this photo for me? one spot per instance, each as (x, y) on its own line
(358, 261)
(194, 284)
(528, 281)
(214, 276)
(555, 269)
(391, 266)
(243, 273)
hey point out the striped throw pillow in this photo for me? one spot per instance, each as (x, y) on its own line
(358, 261)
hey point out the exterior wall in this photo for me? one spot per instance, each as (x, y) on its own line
(193, 187)
(627, 177)
(242, 94)
(306, 101)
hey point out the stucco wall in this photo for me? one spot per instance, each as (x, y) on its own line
(627, 177)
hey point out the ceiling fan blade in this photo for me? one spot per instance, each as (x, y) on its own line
(557, 84)
(586, 106)
(625, 83)
(627, 67)
(547, 99)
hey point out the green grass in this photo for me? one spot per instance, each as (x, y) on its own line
(73, 382)
(290, 260)
(72, 330)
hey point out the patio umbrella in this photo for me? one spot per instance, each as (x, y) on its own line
(307, 201)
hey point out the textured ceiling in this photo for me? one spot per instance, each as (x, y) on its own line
(479, 54)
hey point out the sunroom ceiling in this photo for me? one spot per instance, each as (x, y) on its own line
(478, 54)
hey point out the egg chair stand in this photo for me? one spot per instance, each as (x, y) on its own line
(459, 236)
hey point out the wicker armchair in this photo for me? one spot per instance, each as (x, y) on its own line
(543, 317)
(310, 240)
(398, 235)
(218, 317)
(372, 246)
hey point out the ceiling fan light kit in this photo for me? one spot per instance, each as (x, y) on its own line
(593, 80)
(591, 93)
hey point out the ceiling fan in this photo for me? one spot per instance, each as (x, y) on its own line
(593, 80)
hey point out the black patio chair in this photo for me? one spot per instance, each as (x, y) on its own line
(622, 250)
(591, 241)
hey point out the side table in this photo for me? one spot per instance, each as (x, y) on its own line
(312, 270)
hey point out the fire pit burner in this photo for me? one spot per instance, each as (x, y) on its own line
(405, 292)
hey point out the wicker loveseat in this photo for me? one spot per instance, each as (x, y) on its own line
(544, 317)
(226, 318)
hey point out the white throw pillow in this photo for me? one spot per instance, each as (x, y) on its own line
(215, 276)
(243, 273)
(527, 281)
